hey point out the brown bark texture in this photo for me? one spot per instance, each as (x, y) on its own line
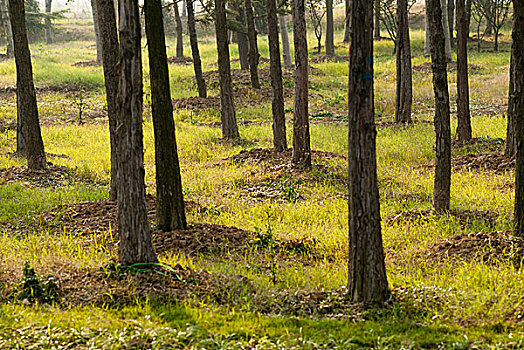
(29, 136)
(451, 20)
(347, 33)
(404, 92)
(510, 146)
(179, 31)
(286, 51)
(442, 182)
(7, 27)
(367, 280)
(463, 112)
(518, 100)
(133, 227)
(193, 39)
(330, 43)
(275, 70)
(170, 212)
(301, 141)
(376, 12)
(228, 117)
(96, 25)
(253, 54)
(48, 30)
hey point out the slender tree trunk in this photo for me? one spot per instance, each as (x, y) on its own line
(445, 26)
(179, 31)
(404, 94)
(109, 44)
(7, 27)
(463, 113)
(29, 136)
(301, 143)
(376, 29)
(518, 100)
(133, 227)
(184, 10)
(197, 64)
(229, 120)
(48, 30)
(330, 44)
(427, 45)
(170, 212)
(510, 148)
(442, 184)
(286, 51)
(347, 33)
(277, 105)
(451, 20)
(97, 32)
(253, 47)
(496, 45)
(367, 280)
(241, 39)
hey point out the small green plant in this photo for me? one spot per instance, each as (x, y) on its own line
(290, 189)
(266, 240)
(80, 104)
(34, 288)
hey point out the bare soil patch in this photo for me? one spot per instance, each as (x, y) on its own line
(496, 162)
(452, 66)
(52, 177)
(326, 58)
(92, 63)
(464, 217)
(180, 60)
(490, 110)
(479, 144)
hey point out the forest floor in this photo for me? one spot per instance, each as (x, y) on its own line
(263, 264)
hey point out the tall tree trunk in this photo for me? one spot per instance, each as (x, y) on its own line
(97, 32)
(29, 136)
(133, 227)
(445, 26)
(48, 29)
(404, 94)
(518, 100)
(7, 27)
(286, 51)
(330, 44)
(184, 10)
(170, 212)
(463, 113)
(376, 29)
(347, 33)
(451, 20)
(179, 31)
(228, 117)
(109, 44)
(277, 103)
(301, 143)
(241, 39)
(510, 148)
(496, 44)
(197, 64)
(427, 44)
(367, 280)
(253, 47)
(442, 184)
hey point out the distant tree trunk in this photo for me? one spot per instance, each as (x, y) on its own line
(445, 26)
(48, 30)
(253, 47)
(347, 33)
(404, 94)
(228, 117)
(489, 25)
(451, 20)
(133, 227)
(184, 10)
(301, 143)
(367, 279)
(286, 51)
(518, 100)
(442, 184)
(427, 45)
(7, 27)
(376, 29)
(277, 105)
(109, 44)
(496, 45)
(97, 32)
(330, 45)
(510, 148)
(241, 39)
(29, 136)
(463, 113)
(197, 64)
(170, 212)
(179, 32)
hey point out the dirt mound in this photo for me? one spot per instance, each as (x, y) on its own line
(5, 126)
(464, 217)
(479, 144)
(51, 177)
(490, 110)
(452, 66)
(484, 246)
(92, 63)
(326, 58)
(271, 155)
(383, 125)
(496, 162)
(179, 60)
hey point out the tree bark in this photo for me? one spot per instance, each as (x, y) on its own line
(29, 136)
(445, 26)
(510, 148)
(442, 183)
(228, 117)
(404, 93)
(179, 32)
(277, 103)
(48, 30)
(109, 44)
(427, 45)
(133, 227)
(286, 51)
(463, 112)
(8, 32)
(451, 20)
(330, 44)
(367, 280)
(301, 142)
(518, 101)
(241, 39)
(97, 32)
(170, 212)
(197, 63)
(253, 54)
(347, 33)
(376, 29)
